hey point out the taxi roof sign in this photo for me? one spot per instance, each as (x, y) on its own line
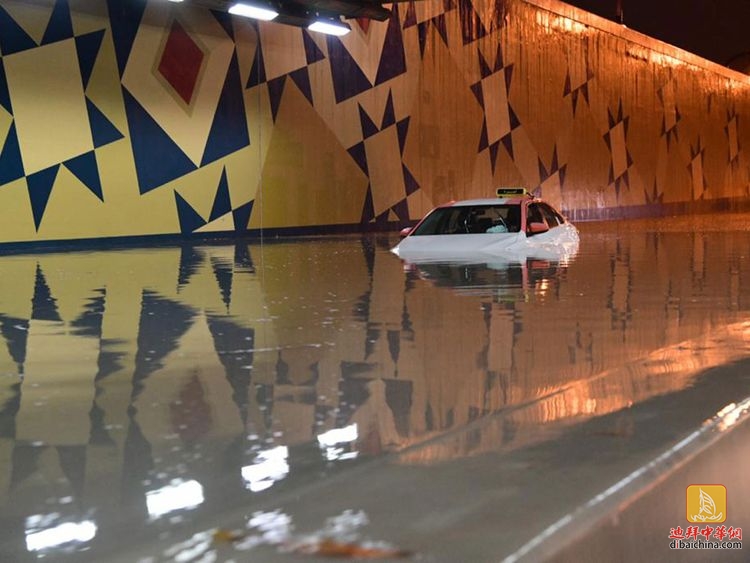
(511, 192)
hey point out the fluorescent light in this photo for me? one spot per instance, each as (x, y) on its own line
(252, 11)
(65, 533)
(329, 27)
(338, 443)
(179, 495)
(269, 466)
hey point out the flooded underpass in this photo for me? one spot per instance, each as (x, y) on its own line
(319, 398)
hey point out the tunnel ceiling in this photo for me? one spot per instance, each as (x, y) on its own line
(302, 12)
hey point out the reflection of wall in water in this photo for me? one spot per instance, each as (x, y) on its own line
(265, 126)
(200, 347)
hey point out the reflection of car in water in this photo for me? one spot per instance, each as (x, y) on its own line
(505, 281)
(514, 226)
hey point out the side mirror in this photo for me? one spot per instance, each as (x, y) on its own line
(403, 233)
(537, 228)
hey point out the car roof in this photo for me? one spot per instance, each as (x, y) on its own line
(488, 201)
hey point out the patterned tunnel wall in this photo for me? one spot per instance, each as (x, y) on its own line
(127, 118)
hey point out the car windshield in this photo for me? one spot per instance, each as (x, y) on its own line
(471, 219)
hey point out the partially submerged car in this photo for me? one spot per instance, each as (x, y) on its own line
(512, 227)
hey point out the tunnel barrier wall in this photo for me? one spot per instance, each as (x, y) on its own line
(124, 119)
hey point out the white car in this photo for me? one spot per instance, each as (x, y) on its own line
(512, 227)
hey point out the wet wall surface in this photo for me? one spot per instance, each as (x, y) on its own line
(294, 399)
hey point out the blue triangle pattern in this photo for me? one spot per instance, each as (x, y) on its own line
(275, 91)
(158, 159)
(441, 27)
(60, 26)
(358, 153)
(389, 115)
(402, 127)
(401, 209)
(43, 304)
(494, 148)
(40, 185)
(87, 47)
(302, 79)
(242, 216)
(258, 70)
(381, 221)
(224, 276)
(499, 57)
(507, 142)
(348, 78)
(484, 141)
(228, 134)
(422, 30)
(410, 182)
(102, 130)
(13, 39)
(368, 126)
(313, 54)
(410, 18)
(543, 174)
(472, 27)
(484, 68)
(190, 220)
(478, 93)
(508, 70)
(85, 168)
(393, 58)
(4, 92)
(15, 339)
(124, 20)
(222, 203)
(225, 21)
(368, 208)
(11, 165)
(190, 261)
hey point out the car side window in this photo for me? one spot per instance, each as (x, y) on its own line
(549, 215)
(533, 215)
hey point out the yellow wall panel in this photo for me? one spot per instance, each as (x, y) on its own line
(104, 88)
(51, 127)
(154, 211)
(331, 190)
(199, 188)
(284, 49)
(16, 221)
(17, 287)
(440, 151)
(31, 16)
(386, 177)
(51, 385)
(242, 174)
(70, 204)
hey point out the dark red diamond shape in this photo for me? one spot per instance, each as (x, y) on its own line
(364, 23)
(181, 62)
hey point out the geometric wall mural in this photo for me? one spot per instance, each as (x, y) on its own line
(126, 119)
(47, 132)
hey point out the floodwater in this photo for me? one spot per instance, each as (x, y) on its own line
(301, 398)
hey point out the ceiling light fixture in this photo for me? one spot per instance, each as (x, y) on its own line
(264, 13)
(329, 27)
